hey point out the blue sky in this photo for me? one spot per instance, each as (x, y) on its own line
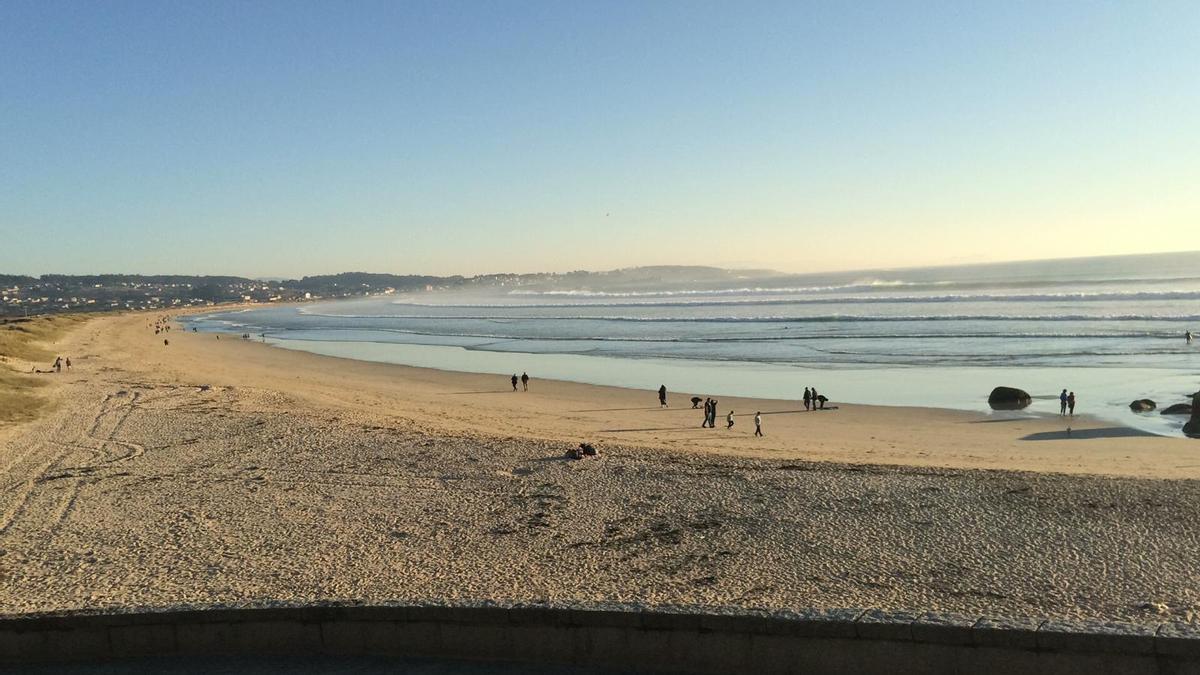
(300, 138)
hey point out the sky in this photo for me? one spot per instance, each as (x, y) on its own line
(292, 138)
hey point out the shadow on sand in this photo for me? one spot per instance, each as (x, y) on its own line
(657, 407)
(1104, 432)
(624, 431)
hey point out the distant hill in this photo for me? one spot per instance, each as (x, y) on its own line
(692, 271)
(657, 277)
(684, 273)
(368, 280)
(96, 292)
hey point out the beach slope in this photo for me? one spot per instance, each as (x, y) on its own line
(226, 472)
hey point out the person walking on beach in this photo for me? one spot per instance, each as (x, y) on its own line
(58, 364)
(814, 398)
(68, 363)
(514, 381)
(1071, 404)
(729, 420)
(758, 423)
(525, 381)
(1062, 402)
(662, 396)
(707, 412)
(807, 398)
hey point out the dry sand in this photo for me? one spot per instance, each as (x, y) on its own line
(225, 471)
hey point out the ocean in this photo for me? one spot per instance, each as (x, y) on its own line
(1111, 329)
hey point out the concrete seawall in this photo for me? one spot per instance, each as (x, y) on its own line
(687, 640)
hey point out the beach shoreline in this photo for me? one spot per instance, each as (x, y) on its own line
(695, 356)
(449, 401)
(207, 472)
(901, 435)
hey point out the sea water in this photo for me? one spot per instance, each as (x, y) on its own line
(1111, 329)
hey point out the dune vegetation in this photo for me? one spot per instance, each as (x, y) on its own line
(22, 344)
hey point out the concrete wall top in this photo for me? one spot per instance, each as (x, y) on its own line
(1169, 638)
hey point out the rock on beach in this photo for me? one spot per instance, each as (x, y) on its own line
(1143, 405)
(1009, 398)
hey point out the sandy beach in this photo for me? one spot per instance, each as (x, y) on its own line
(439, 402)
(225, 471)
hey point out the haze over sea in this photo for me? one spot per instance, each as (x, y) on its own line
(1111, 329)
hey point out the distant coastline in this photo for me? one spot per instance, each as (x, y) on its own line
(26, 295)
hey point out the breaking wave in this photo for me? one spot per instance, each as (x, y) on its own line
(850, 300)
(825, 318)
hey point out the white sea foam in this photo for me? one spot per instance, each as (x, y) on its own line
(1090, 297)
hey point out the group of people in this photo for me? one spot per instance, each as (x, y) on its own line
(59, 362)
(1066, 403)
(813, 400)
(523, 379)
(162, 325)
(710, 416)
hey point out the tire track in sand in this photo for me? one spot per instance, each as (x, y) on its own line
(26, 490)
(130, 450)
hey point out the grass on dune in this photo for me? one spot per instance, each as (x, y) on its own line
(24, 340)
(18, 400)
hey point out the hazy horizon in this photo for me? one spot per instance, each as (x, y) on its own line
(454, 138)
(266, 277)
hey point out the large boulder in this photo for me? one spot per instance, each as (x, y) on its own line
(1009, 398)
(1192, 427)
(1177, 409)
(1143, 405)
